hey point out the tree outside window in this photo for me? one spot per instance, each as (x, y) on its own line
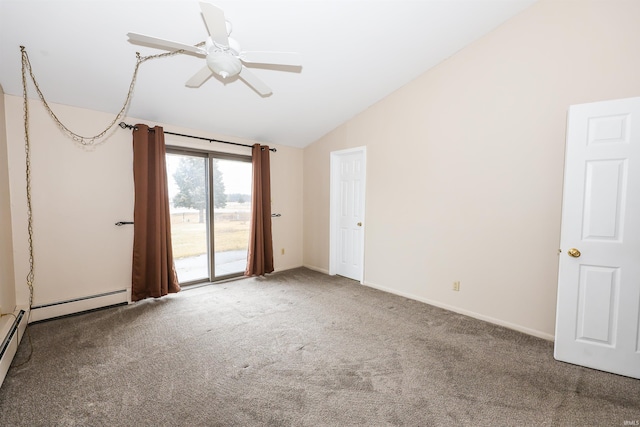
(190, 178)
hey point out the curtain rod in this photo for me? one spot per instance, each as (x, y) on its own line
(123, 125)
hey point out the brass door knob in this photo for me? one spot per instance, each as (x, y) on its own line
(359, 224)
(574, 252)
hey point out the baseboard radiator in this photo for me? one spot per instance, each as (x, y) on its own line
(10, 342)
(78, 305)
(12, 328)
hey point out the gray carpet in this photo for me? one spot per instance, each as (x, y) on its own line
(299, 348)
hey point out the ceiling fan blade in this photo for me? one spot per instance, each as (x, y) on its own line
(216, 23)
(275, 58)
(252, 80)
(200, 77)
(164, 44)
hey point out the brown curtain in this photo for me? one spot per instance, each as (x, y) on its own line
(260, 256)
(154, 273)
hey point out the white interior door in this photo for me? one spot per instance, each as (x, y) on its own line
(347, 213)
(598, 314)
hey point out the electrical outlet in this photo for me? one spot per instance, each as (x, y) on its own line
(456, 286)
(282, 251)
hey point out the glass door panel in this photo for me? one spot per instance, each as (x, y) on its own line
(231, 215)
(189, 209)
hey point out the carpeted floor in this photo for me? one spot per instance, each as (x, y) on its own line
(299, 348)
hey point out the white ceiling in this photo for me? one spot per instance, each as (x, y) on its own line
(354, 53)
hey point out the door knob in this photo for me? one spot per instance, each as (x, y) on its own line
(359, 224)
(574, 252)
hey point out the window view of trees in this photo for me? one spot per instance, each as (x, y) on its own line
(219, 194)
(190, 178)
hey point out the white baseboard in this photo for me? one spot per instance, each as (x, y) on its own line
(318, 269)
(285, 268)
(11, 333)
(458, 310)
(63, 308)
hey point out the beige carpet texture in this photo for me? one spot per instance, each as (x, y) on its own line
(299, 348)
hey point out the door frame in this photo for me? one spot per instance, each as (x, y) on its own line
(334, 206)
(209, 156)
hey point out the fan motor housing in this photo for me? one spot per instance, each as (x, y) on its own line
(223, 60)
(223, 64)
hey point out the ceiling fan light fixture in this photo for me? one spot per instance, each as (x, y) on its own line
(223, 64)
(223, 55)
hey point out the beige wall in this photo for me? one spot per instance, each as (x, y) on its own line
(79, 193)
(7, 280)
(465, 164)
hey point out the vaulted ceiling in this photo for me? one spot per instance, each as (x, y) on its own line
(353, 54)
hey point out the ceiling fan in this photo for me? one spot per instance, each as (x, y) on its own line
(223, 54)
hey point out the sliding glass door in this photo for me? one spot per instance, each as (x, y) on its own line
(231, 215)
(210, 205)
